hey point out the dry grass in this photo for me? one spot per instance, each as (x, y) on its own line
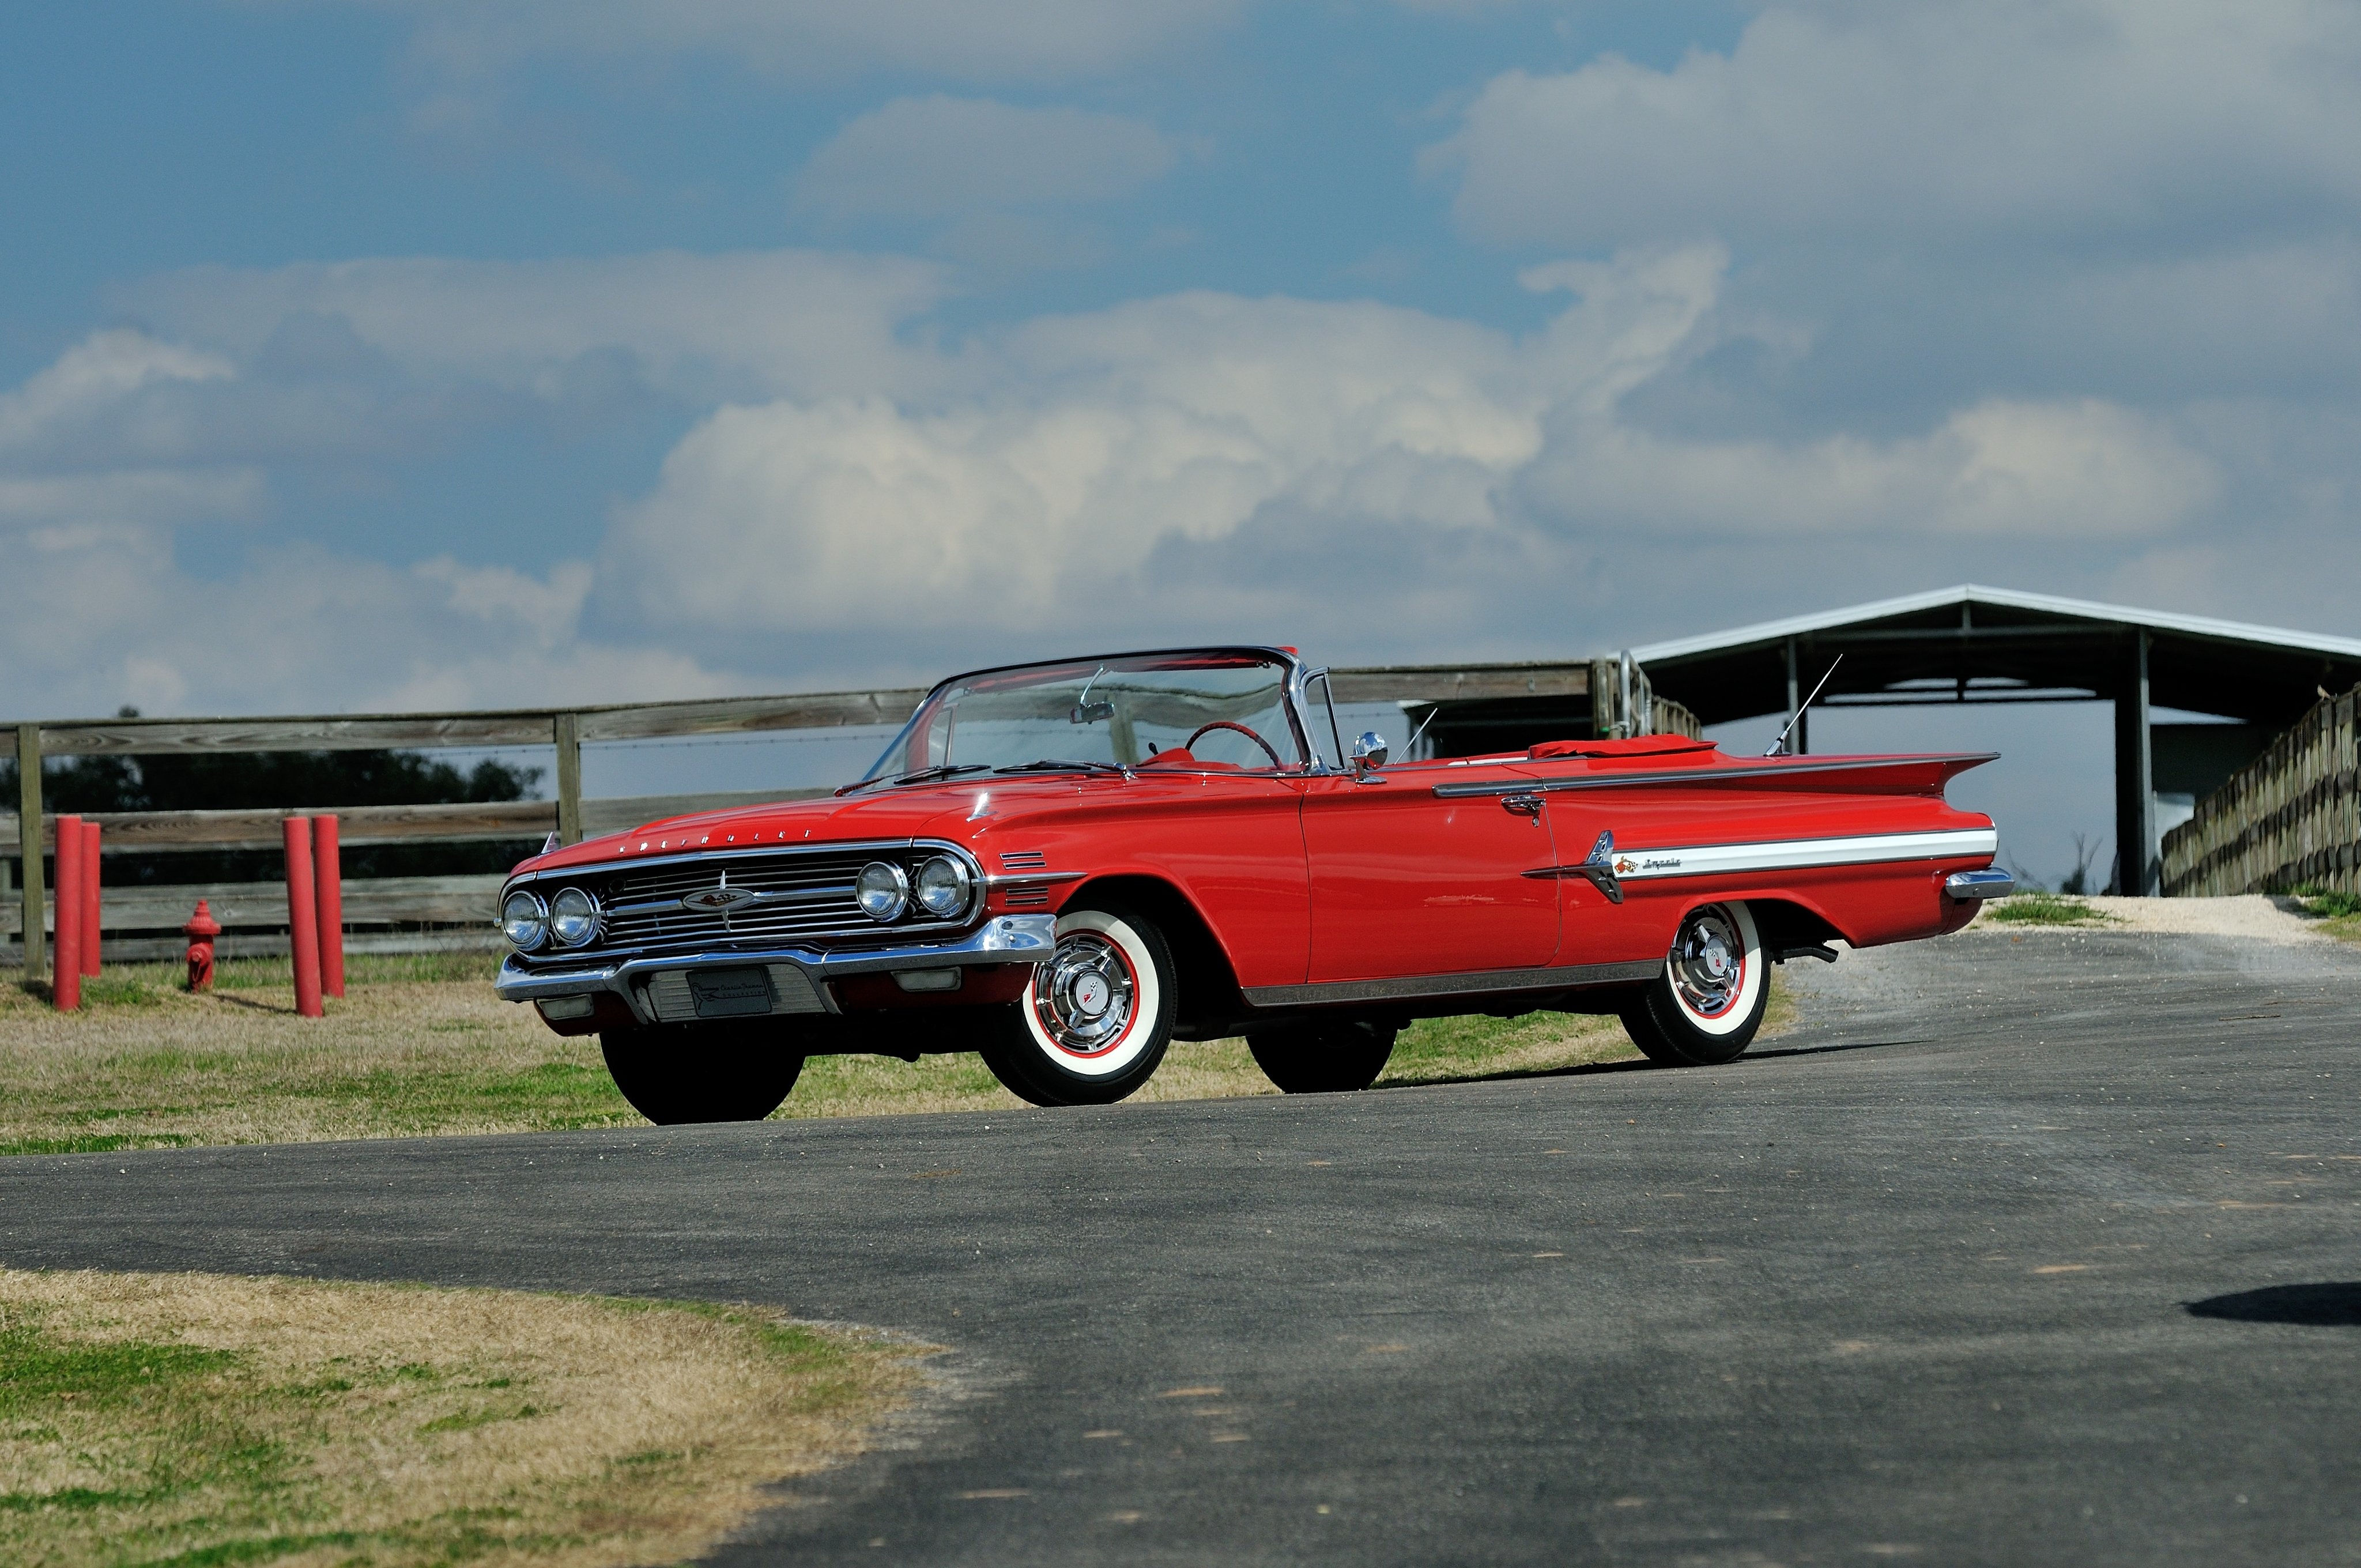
(199, 1419)
(146, 1066)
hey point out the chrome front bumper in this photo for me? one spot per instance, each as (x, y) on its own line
(1970, 885)
(1002, 939)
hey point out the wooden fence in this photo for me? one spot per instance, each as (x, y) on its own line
(410, 908)
(2289, 819)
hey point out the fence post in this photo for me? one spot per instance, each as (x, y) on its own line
(566, 731)
(303, 917)
(65, 953)
(91, 895)
(29, 839)
(328, 878)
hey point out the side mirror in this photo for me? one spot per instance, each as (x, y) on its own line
(1369, 751)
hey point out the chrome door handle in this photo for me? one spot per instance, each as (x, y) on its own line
(1523, 805)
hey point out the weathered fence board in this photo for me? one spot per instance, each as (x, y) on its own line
(381, 901)
(149, 832)
(2291, 817)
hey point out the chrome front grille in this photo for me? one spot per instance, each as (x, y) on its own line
(797, 897)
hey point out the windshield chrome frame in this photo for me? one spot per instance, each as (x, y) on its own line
(1294, 698)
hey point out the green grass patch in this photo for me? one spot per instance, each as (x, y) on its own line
(2331, 904)
(2045, 909)
(126, 1442)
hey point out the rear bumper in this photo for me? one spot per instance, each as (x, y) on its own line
(1967, 886)
(1002, 939)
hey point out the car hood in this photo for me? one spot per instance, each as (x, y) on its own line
(956, 811)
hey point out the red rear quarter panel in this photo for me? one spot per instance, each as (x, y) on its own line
(1821, 799)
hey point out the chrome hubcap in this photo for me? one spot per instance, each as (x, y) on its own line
(1709, 964)
(1084, 996)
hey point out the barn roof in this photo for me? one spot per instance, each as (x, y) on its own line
(1976, 645)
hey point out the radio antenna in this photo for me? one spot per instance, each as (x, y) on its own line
(1796, 718)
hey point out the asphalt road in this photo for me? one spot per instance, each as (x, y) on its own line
(1915, 1280)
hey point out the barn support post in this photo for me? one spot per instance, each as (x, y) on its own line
(2138, 871)
(28, 839)
(1799, 722)
(566, 732)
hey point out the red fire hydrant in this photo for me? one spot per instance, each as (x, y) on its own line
(201, 930)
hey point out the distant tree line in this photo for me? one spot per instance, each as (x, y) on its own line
(292, 780)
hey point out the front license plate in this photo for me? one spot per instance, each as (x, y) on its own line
(730, 992)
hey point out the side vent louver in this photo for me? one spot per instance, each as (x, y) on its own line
(1023, 861)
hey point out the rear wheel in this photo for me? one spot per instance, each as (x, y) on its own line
(1707, 1005)
(1324, 1057)
(1096, 1021)
(677, 1073)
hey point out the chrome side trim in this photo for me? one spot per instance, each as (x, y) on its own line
(1971, 885)
(1004, 938)
(1032, 879)
(1566, 978)
(1706, 775)
(1798, 854)
(1599, 869)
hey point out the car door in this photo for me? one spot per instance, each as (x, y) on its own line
(1406, 882)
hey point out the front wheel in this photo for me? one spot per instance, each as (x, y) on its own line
(1324, 1058)
(1093, 1025)
(679, 1073)
(1706, 1006)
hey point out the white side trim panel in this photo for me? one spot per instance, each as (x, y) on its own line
(1786, 854)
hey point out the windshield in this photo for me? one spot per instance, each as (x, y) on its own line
(1151, 709)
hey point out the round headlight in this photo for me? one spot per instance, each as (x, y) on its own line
(573, 917)
(942, 887)
(883, 890)
(524, 920)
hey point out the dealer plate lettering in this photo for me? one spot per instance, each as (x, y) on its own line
(730, 992)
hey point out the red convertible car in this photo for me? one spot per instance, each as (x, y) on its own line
(1067, 866)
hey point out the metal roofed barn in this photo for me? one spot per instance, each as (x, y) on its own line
(1978, 645)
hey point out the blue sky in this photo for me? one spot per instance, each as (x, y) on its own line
(442, 352)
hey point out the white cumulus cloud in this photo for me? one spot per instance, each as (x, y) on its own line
(1105, 441)
(1894, 122)
(752, 323)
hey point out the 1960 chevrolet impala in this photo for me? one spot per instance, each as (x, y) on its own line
(1067, 866)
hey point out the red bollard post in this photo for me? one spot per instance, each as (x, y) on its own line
(90, 897)
(303, 916)
(328, 876)
(65, 952)
(201, 930)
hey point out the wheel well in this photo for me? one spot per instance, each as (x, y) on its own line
(1783, 924)
(1209, 986)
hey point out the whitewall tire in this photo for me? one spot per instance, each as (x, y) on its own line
(1095, 1023)
(1707, 1005)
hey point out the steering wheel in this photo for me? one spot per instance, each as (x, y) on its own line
(1191, 743)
